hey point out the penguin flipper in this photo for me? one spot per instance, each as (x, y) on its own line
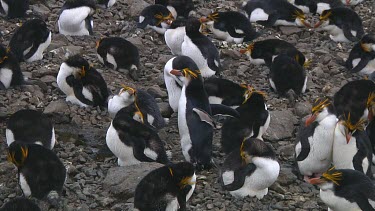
(363, 203)
(32, 51)
(204, 116)
(88, 25)
(181, 197)
(237, 33)
(348, 34)
(142, 24)
(272, 18)
(2, 86)
(219, 109)
(240, 177)
(362, 64)
(303, 137)
(77, 88)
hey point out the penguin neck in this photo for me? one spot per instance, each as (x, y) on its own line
(195, 89)
(194, 34)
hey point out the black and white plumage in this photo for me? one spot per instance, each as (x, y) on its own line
(107, 3)
(20, 204)
(10, 71)
(351, 2)
(250, 169)
(156, 17)
(166, 188)
(178, 7)
(119, 54)
(30, 40)
(343, 24)
(230, 26)
(32, 127)
(174, 36)
(82, 84)
(76, 17)
(307, 6)
(199, 48)
(370, 130)
(362, 56)
(14, 8)
(322, 5)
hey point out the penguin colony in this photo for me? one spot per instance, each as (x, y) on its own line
(334, 146)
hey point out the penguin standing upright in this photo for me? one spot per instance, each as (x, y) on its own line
(199, 48)
(230, 26)
(76, 17)
(120, 54)
(250, 169)
(10, 71)
(362, 56)
(178, 7)
(14, 8)
(30, 40)
(166, 188)
(174, 36)
(156, 17)
(343, 24)
(82, 84)
(31, 127)
(20, 204)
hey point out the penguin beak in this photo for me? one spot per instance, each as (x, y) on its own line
(310, 119)
(243, 51)
(97, 44)
(176, 72)
(318, 24)
(203, 19)
(315, 181)
(348, 137)
(169, 22)
(305, 23)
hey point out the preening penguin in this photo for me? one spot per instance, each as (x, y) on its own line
(250, 169)
(174, 36)
(274, 13)
(32, 127)
(342, 24)
(14, 8)
(132, 141)
(166, 188)
(345, 190)
(119, 54)
(230, 26)
(10, 71)
(156, 17)
(362, 56)
(178, 7)
(199, 48)
(20, 204)
(107, 3)
(76, 17)
(82, 84)
(30, 40)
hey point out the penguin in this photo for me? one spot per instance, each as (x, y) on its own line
(370, 130)
(10, 71)
(41, 174)
(307, 6)
(119, 54)
(322, 5)
(156, 17)
(132, 141)
(82, 83)
(178, 7)
(362, 56)
(253, 122)
(30, 40)
(106, 3)
(230, 26)
(314, 142)
(286, 73)
(82, 23)
(20, 204)
(351, 2)
(166, 188)
(14, 8)
(345, 190)
(32, 127)
(142, 99)
(343, 24)
(199, 48)
(174, 36)
(250, 169)
(270, 13)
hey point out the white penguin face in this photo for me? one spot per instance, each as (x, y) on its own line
(321, 115)
(127, 97)
(68, 70)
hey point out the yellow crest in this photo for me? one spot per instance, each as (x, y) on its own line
(333, 175)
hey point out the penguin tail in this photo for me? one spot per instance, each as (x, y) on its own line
(53, 198)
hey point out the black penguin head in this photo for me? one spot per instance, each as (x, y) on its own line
(183, 174)
(347, 127)
(77, 65)
(193, 26)
(324, 18)
(129, 97)
(368, 43)
(253, 147)
(300, 18)
(187, 74)
(312, 5)
(179, 22)
(4, 54)
(318, 111)
(329, 179)
(251, 94)
(35, 29)
(18, 153)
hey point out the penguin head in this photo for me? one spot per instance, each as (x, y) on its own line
(4, 54)
(370, 104)
(324, 18)
(76, 65)
(300, 18)
(18, 153)
(193, 26)
(368, 43)
(213, 17)
(347, 128)
(129, 97)
(98, 42)
(319, 111)
(251, 94)
(182, 173)
(179, 22)
(253, 147)
(187, 74)
(248, 50)
(328, 180)
(312, 5)
(165, 21)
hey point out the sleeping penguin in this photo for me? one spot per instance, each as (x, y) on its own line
(178, 7)
(30, 40)
(274, 13)
(82, 84)
(41, 174)
(199, 48)
(10, 71)
(119, 54)
(174, 36)
(14, 8)
(286, 74)
(132, 141)
(146, 103)
(230, 26)
(166, 188)
(362, 56)
(156, 17)
(32, 127)
(313, 150)
(106, 3)
(342, 24)
(250, 169)
(20, 204)
(76, 17)
(345, 190)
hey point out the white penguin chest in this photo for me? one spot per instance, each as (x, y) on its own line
(336, 203)
(174, 39)
(24, 185)
(183, 128)
(258, 15)
(72, 21)
(337, 34)
(343, 152)
(6, 76)
(370, 67)
(321, 7)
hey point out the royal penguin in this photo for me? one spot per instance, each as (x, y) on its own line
(41, 174)
(107, 3)
(351, 2)
(145, 102)
(76, 17)
(343, 24)
(307, 6)
(178, 7)
(322, 5)
(250, 169)
(132, 141)
(230, 26)
(253, 121)
(274, 13)
(82, 83)
(30, 40)
(345, 190)
(156, 17)
(362, 56)
(370, 130)
(20, 204)
(174, 36)
(32, 127)
(14, 8)
(314, 142)
(10, 71)
(119, 54)
(199, 48)
(166, 188)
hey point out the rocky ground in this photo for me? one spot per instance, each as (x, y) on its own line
(81, 131)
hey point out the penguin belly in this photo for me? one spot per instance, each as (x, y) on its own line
(6, 75)
(174, 39)
(24, 185)
(256, 61)
(263, 128)
(215, 100)
(258, 15)
(72, 21)
(343, 152)
(183, 129)
(336, 203)
(174, 91)
(337, 34)
(38, 55)
(370, 67)
(111, 3)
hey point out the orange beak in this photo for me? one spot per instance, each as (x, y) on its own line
(176, 72)
(318, 24)
(347, 2)
(169, 22)
(308, 25)
(315, 181)
(243, 51)
(203, 19)
(310, 120)
(348, 137)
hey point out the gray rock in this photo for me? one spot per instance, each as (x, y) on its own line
(165, 109)
(288, 30)
(48, 79)
(286, 176)
(231, 53)
(156, 92)
(66, 51)
(136, 7)
(281, 125)
(302, 109)
(59, 106)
